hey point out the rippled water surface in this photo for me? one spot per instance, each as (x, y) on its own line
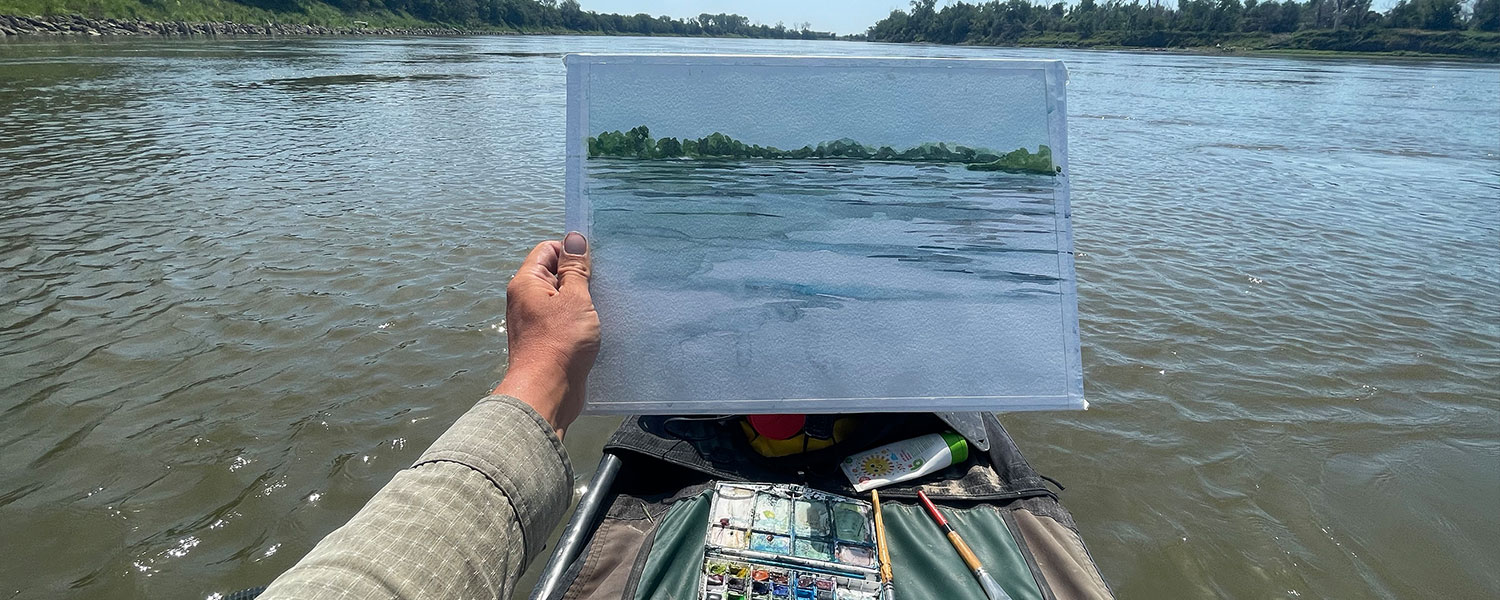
(242, 282)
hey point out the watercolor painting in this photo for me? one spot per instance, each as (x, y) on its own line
(820, 235)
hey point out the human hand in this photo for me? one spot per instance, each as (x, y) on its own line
(552, 330)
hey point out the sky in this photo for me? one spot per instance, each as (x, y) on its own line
(839, 16)
(791, 106)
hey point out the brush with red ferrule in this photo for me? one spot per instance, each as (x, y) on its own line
(991, 589)
(932, 510)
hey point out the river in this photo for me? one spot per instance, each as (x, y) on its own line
(244, 281)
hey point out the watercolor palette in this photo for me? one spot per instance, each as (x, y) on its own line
(788, 542)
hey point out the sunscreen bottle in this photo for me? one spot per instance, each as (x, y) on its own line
(903, 460)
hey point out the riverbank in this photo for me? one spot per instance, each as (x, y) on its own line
(66, 25)
(1408, 29)
(364, 17)
(1467, 45)
(80, 25)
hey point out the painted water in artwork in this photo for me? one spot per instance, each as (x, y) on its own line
(740, 274)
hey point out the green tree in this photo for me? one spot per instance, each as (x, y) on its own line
(1486, 15)
(668, 148)
(1288, 18)
(1444, 15)
(638, 141)
(1190, 22)
(573, 17)
(1440, 15)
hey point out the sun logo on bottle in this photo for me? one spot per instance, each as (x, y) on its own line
(877, 466)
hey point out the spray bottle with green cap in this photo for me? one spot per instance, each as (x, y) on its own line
(907, 459)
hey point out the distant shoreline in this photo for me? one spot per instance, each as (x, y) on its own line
(1232, 50)
(1222, 50)
(76, 25)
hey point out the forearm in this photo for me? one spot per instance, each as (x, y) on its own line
(463, 522)
(546, 389)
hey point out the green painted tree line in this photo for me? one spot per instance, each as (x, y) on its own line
(638, 143)
(1016, 21)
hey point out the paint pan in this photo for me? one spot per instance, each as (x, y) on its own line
(773, 513)
(735, 506)
(814, 549)
(852, 522)
(770, 542)
(811, 518)
(729, 537)
(760, 583)
(859, 556)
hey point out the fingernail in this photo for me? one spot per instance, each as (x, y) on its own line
(575, 243)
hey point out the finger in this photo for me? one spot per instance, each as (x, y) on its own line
(573, 265)
(542, 262)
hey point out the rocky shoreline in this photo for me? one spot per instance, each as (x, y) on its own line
(80, 25)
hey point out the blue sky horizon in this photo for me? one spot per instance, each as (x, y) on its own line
(791, 106)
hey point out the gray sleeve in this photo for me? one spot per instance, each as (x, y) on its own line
(460, 523)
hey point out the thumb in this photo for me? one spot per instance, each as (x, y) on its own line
(573, 265)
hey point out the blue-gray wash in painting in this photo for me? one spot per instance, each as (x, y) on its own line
(757, 285)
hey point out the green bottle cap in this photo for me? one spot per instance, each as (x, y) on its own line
(957, 445)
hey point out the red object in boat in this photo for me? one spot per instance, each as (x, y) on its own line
(778, 427)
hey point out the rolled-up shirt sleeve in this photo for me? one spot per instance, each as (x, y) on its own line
(462, 522)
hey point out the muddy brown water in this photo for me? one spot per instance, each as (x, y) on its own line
(244, 281)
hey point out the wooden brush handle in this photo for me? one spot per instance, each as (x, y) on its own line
(964, 551)
(882, 551)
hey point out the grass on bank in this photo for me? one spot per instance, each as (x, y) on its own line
(306, 12)
(513, 16)
(202, 11)
(1394, 42)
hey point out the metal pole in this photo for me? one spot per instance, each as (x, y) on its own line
(570, 545)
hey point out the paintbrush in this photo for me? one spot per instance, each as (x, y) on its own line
(887, 585)
(991, 589)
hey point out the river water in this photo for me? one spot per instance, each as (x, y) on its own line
(242, 282)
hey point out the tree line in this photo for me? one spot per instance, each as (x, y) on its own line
(1013, 21)
(638, 143)
(555, 15)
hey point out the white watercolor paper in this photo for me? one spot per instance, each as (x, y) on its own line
(818, 234)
